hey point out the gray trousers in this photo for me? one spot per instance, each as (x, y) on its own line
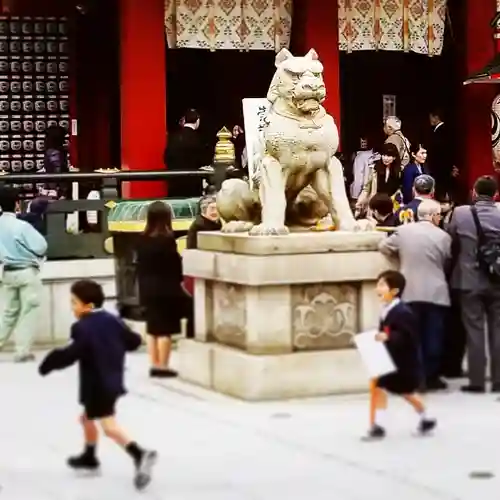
(481, 319)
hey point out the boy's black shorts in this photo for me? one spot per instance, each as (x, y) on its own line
(100, 406)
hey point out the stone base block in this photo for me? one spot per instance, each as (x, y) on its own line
(271, 377)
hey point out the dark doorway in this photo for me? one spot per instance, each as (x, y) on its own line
(420, 83)
(215, 83)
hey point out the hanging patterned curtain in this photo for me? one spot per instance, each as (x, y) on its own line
(400, 25)
(228, 24)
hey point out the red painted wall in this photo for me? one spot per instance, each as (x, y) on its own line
(477, 98)
(315, 26)
(143, 92)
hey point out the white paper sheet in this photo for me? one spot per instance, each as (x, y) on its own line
(376, 358)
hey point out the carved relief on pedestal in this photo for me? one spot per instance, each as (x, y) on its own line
(229, 314)
(324, 316)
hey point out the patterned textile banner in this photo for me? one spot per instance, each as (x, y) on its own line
(399, 25)
(228, 24)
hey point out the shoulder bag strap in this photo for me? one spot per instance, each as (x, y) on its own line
(405, 143)
(477, 223)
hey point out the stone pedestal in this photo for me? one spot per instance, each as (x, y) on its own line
(275, 316)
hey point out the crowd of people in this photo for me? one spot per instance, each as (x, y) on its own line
(391, 169)
(452, 271)
(447, 253)
(448, 286)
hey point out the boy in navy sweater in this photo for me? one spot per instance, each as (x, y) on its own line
(100, 341)
(397, 330)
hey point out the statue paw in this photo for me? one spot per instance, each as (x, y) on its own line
(358, 225)
(365, 225)
(237, 226)
(263, 230)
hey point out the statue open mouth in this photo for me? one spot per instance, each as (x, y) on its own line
(307, 105)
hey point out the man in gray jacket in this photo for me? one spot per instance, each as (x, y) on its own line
(480, 297)
(424, 251)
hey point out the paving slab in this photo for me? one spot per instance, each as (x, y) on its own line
(216, 448)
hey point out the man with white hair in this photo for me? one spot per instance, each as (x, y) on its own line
(423, 189)
(392, 129)
(424, 251)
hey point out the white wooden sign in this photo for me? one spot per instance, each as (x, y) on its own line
(254, 114)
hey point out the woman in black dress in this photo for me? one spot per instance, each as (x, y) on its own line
(385, 177)
(159, 268)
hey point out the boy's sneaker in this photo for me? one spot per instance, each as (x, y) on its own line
(24, 358)
(144, 467)
(84, 463)
(376, 433)
(426, 426)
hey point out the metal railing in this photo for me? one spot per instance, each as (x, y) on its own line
(118, 175)
(91, 242)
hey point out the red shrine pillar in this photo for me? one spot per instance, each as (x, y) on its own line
(143, 93)
(477, 98)
(315, 26)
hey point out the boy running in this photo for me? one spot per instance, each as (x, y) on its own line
(100, 341)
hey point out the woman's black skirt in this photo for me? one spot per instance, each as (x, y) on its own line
(163, 314)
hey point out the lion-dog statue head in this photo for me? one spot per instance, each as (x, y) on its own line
(298, 83)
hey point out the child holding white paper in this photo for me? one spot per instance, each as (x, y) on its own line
(397, 330)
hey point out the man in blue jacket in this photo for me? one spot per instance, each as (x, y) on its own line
(424, 189)
(22, 250)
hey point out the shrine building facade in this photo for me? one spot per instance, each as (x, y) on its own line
(109, 67)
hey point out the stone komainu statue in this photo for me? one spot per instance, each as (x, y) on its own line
(298, 179)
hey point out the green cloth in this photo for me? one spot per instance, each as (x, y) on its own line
(136, 211)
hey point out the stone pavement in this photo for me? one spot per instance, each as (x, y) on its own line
(214, 448)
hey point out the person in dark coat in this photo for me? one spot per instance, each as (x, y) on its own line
(208, 220)
(381, 207)
(99, 342)
(56, 162)
(159, 271)
(385, 177)
(442, 156)
(414, 169)
(36, 214)
(186, 151)
(398, 331)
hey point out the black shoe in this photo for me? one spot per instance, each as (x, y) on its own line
(143, 469)
(84, 462)
(452, 375)
(160, 373)
(376, 433)
(436, 384)
(495, 388)
(474, 389)
(426, 425)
